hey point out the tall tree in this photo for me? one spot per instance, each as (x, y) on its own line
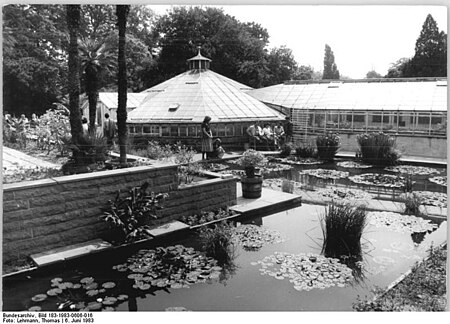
(122, 13)
(330, 70)
(96, 59)
(430, 59)
(237, 49)
(73, 23)
(282, 65)
(34, 57)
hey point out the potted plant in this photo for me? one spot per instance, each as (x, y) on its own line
(251, 182)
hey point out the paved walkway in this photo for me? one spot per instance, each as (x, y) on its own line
(12, 159)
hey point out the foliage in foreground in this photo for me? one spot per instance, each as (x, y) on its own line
(342, 227)
(132, 215)
(378, 149)
(423, 290)
(217, 242)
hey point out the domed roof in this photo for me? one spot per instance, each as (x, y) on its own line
(192, 95)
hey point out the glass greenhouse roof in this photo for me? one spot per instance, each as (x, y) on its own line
(110, 99)
(398, 94)
(192, 95)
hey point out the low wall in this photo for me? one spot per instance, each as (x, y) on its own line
(50, 213)
(412, 145)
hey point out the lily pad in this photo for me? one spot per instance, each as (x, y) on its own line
(54, 292)
(39, 297)
(108, 285)
(94, 306)
(176, 309)
(122, 297)
(109, 301)
(92, 285)
(381, 180)
(35, 309)
(87, 280)
(439, 180)
(412, 169)
(353, 165)
(92, 292)
(65, 285)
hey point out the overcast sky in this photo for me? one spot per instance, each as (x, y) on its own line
(362, 38)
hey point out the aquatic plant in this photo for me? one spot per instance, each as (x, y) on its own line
(342, 226)
(380, 180)
(207, 216)
(326, 173)
(286, 149)
(412, 169)
(378, 149)
(217, 241)
(306, 151)
(132, 215)
(253, 237)
(401, 223)
(412, 203)
(327, 146)
(306, 271)
(439, 180)
(353, 165)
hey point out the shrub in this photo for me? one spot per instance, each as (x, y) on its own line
(378, 149)
(187, 172)
(286, 149)
(132, 215)
(184, 155)
(307, 151)
(342, 227)
(217, 242)
(327, 146)
(90, 150)
(156, 151)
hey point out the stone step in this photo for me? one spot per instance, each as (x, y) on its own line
(69, 252)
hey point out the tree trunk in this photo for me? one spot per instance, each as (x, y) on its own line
(92, 93)
(73, 24)
(122, 13)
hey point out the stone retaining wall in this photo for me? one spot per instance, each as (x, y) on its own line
(50, 213)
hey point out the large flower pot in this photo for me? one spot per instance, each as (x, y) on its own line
(251, 187)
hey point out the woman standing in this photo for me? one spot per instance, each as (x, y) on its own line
(207, 145)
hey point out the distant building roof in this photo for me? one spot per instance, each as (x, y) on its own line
(110, 99)
(192, 95)
(368, 94)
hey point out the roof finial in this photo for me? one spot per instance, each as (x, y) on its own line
(199, 48)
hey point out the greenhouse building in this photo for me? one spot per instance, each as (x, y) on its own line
(412, 110)
(174, 110)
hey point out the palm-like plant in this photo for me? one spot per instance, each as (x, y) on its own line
(97, 58)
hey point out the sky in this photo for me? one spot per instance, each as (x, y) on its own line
(362, 37)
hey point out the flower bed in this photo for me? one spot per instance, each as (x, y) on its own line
(439, 180)
(411, 169)
(326, 173)
(380, 180)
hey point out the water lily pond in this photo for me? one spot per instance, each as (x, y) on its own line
(277, 266)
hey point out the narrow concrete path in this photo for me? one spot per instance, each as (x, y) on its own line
(12, 159)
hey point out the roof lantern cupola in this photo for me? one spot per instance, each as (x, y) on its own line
(199, 62)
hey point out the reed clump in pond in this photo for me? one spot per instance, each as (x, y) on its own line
(217, 242)
(378, 149)
(342, 227)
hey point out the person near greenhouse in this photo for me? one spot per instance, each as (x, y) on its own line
(267, 136)
(34, 122)
(207, 145)
(279, 135)
(254, 133)
(289, 129)
(109, 130)
(85, 126)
